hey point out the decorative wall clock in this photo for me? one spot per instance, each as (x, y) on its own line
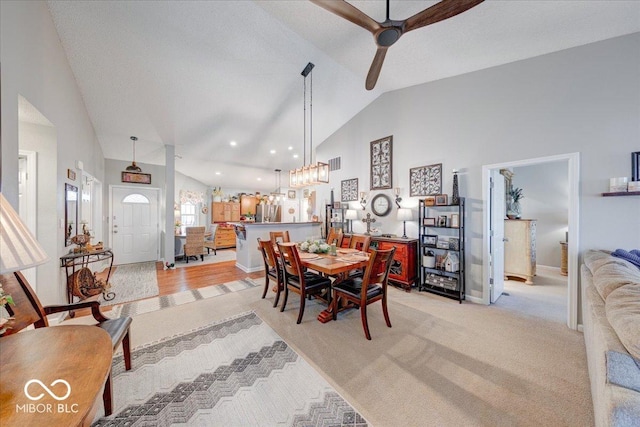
(381, 205)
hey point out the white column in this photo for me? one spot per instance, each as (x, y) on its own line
(169, 199)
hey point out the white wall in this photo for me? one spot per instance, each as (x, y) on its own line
(35, 66)
(582, 100)
(546, 199)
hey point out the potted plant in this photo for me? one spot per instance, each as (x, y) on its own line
(217, 194)
(513, 210)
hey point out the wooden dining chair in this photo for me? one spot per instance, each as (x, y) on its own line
(194, 243)
(210, 241)
(364, 291)
(346, 241)
(27, 310)
(272, 268)
(334, 236)
(279, 236)
(360, 242)
(302, 282)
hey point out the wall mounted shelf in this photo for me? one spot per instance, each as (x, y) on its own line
(621, 193)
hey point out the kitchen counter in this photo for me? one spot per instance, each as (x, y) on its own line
(248, 257)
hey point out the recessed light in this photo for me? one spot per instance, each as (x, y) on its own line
(217, 173)
(259, 179)
(295, 156)
(233, 143)
(272, 151)
(290, 148)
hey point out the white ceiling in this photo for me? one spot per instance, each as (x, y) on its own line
(198, 75)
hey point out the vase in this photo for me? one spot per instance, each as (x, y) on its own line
(514, 211)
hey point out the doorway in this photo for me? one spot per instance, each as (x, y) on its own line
(493, 268)
(135, 228)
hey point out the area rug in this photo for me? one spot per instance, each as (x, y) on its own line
(236, 372)
(222, 256)
(166, 301)
(132, 282)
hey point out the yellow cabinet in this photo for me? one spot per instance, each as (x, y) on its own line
(520, 249)
(225, 212)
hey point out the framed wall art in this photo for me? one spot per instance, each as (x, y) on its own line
(381, 163)
(349, 190)
(136, 177)
(425, 180)
(291, 194)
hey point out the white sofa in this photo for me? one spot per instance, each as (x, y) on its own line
(611, 316)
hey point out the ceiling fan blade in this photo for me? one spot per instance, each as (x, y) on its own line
(376, 66)
(439, 12)
(348, 12)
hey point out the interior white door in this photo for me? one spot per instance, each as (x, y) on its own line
(496, 241)
(134, 225)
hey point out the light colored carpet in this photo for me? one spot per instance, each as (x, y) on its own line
(222, 256)
(132, 282)
(441, 364)
(546, 299)
(237, 372)
(166, 301)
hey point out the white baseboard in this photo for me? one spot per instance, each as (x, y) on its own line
(549, 267)
(580, 328)
(475, 300)
(249, 270)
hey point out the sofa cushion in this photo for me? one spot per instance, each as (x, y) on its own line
(610, 273)
(623, 312)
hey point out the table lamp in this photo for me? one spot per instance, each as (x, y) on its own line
(19, 249)
(404, 215)
(350, 215)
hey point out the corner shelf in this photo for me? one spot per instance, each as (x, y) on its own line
(621, 193)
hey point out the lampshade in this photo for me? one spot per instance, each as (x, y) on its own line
(351, 214)
(19, 249)
(405, 214)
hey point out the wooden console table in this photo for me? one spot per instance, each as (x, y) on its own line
(74, 262)
(80, 355)
(403, 271)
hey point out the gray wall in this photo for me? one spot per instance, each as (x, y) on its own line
(35, 66)
(584, 99)
(546, 199)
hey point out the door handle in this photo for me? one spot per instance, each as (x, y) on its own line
(504, 239)
(115, 225)
(115, 231)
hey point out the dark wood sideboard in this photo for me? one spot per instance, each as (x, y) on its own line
(403, 269)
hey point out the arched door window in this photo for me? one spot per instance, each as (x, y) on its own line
(136, 198)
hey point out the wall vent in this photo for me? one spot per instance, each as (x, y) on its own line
(334, 164)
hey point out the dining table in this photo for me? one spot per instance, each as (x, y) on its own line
(338, 266)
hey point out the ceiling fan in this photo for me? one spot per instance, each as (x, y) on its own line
(388, 32)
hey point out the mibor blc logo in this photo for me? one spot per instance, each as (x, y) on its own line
(35, 390)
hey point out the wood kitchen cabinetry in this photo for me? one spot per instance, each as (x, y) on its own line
(520, 249)
(248, 204)
(225, 237)
(403, 267)
(225, 211)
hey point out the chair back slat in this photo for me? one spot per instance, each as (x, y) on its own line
(334, 236)
(279, 236)
(377, 271)
(194, 242)
(360, 242)
(290, 260)
(268, 253)
(27, 309)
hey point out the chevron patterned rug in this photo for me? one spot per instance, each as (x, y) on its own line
(236, 372)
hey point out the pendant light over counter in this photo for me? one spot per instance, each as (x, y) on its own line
(310, 174)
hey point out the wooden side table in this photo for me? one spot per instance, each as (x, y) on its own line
(78, 355)
(563, 259)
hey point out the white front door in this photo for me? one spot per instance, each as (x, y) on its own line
(496, 240)
(134, 224)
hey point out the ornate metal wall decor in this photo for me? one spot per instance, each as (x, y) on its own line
(349, 190)
(425, 180)
(381, 163)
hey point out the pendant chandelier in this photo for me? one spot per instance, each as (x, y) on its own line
(310, 174)
(133, 167)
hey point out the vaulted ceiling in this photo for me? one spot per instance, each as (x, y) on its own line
(199, 75)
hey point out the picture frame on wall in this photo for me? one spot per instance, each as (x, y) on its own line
(381, 158)
(71, 174)
(425, 180)
(442, 200)
(136, 177)
(291, 194)
(349, 190)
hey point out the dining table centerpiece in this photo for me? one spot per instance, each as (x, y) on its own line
(315, 246)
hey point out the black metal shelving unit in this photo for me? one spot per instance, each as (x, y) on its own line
(438, 280)
(334, 217)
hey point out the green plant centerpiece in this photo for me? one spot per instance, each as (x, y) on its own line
(514, 210)
(315, 246)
